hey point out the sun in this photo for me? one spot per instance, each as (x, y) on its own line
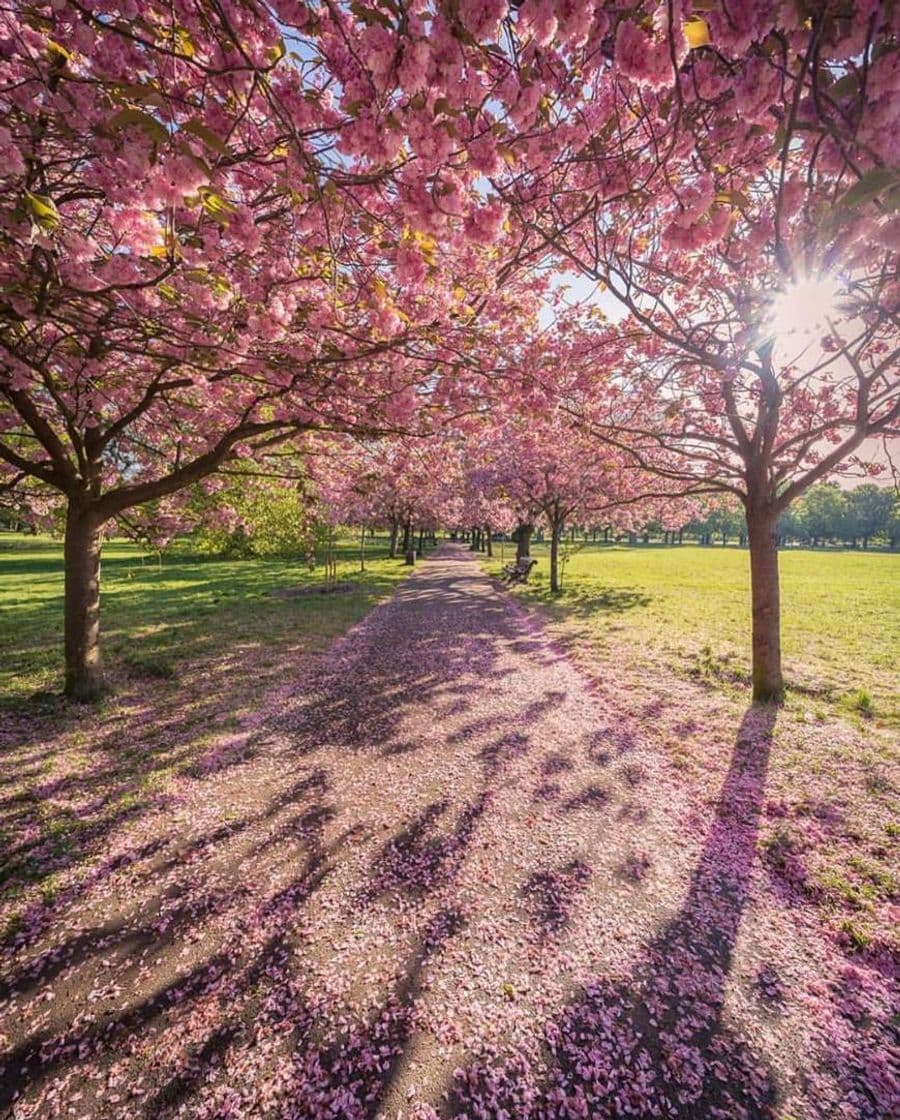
(804, 309)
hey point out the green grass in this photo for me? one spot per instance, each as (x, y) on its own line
(690, 605)
(158, 617)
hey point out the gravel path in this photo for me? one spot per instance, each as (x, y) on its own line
(441, 874)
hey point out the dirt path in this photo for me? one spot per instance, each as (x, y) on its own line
(440, 875)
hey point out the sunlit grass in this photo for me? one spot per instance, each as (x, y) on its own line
(691, 606)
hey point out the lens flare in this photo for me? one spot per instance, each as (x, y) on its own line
(803, 310)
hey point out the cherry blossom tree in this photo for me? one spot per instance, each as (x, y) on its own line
(550, 467)
(210, 245)
(752, 242)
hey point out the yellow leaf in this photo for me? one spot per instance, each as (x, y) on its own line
(425, 241)
(43, 210)
(184, 42)
(213, 203)
(56, 52)
(735, 199)
(696, 31)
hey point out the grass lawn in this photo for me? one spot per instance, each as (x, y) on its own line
(690, 606)
(156, 618)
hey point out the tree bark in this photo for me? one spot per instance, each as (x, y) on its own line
(84, 669)
(555, 530)
(523, 540)
(768, 682)
(488, 543)
(395, 532)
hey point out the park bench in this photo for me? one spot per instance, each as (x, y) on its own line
(518, 572)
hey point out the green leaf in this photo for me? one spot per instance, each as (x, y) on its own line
(209, 138)
(370, 16)
(125, 117)
(736, 199)
(844, 87)
(874, 183)
(138, 91)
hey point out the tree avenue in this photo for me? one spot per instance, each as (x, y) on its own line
(227, 227)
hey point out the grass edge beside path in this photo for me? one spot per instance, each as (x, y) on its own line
(687, 608)
(164, 617)
(831, 826)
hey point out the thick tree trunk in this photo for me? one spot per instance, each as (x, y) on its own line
(488, 543)
(768, 683)
(395, 532)
(523, 540)
(84, 671)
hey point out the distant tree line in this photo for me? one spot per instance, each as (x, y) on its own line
(826, 515)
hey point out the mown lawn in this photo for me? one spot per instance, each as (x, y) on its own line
(689, 605)
(160, 616)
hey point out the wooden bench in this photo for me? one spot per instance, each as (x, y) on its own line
(518, 572)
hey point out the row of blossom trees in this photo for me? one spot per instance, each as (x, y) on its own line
(228, 225)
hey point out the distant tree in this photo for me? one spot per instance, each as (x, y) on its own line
(869, 509)
(823, 512)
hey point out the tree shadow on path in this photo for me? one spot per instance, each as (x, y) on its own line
(657, 1044)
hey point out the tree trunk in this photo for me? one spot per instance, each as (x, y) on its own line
(407, 536)
(395, 532)
(488, 542)
(523, 540)
(555, 531)
(362, 549)
(84, 670)
(768, 683)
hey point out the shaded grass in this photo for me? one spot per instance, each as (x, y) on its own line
(158, 616)
(690, 606)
